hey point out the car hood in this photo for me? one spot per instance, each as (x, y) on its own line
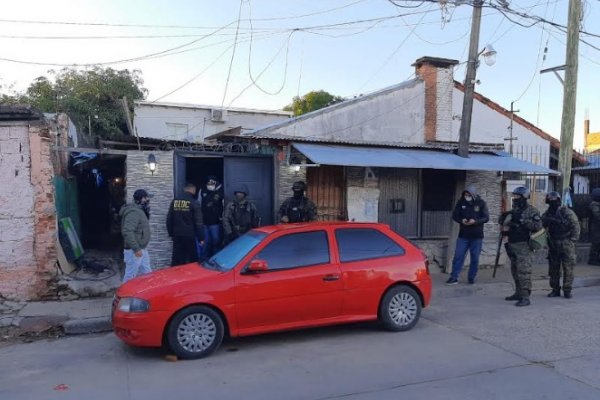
(164, 278)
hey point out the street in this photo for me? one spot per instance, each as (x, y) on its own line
(465, 347)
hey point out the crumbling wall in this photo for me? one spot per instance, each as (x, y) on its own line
(27, 217)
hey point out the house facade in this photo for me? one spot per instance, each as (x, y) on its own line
(193, 123)
(389, 157)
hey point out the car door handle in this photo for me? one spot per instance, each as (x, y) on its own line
(331, 277)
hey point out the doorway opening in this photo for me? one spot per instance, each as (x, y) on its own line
(198, 169)
(101, 192)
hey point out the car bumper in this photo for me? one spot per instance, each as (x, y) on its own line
(140, 329)
(425, 287)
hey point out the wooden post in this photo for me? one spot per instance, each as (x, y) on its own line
(567, 127)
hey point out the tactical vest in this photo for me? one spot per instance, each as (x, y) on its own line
(519, 233)
(560, 230)
(296, 210)
(242, 215)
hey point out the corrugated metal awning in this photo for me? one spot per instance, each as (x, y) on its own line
(363, 156)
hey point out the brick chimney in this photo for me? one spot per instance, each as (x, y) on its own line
(438, 76)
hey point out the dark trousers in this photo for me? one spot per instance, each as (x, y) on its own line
(184, 250)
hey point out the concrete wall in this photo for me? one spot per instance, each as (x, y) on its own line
(151, 121)
(27, 213)
(159, 184)
(395, 115)
(491, 127)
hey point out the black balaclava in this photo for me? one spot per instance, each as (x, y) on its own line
(553, 203)
(298, 189)
(519, 202)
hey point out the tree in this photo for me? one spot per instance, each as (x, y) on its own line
(90, 97)
(312, 101)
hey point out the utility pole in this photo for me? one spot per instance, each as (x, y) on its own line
(567, 126)
(467, 110)
(511, 138)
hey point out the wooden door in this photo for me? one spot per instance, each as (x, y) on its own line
(327, 189)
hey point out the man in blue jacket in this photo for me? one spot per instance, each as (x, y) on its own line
(471, 213)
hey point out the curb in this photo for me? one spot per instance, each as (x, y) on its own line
(87, 325)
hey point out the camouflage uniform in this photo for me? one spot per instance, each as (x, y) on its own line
(594, 257)
(239, 218)
(522, 223)
(563, 231)
(298, 210)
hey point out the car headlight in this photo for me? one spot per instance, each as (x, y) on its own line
(133, 305)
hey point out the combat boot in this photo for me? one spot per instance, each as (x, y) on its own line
(567, 294)
(523, 302)
(554, 293)
(513, 297)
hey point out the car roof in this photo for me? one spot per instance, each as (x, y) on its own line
(285, 227)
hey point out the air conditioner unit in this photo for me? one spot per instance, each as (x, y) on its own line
(218, 115)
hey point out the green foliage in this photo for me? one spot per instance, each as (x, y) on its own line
(312, 101)
(91, 95)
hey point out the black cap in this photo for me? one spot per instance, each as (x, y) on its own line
(140, 194)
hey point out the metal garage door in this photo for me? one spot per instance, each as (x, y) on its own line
(257, 174)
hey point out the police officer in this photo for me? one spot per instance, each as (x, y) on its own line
(184, 224)
(522, 221)
(563, 231)
(298, 208)
(594, 256)
(240, 215)
(211, 198)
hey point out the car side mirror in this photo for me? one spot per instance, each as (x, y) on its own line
(258, 266)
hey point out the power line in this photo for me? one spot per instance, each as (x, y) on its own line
(45, 22)
(232, 53)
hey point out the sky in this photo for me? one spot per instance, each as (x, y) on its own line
(262, 53)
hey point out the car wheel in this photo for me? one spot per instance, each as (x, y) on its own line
(400, 308)
(195, 332)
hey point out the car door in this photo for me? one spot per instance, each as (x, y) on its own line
(301, 284)
(366, 256)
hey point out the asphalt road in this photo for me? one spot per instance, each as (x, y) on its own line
(470, 347)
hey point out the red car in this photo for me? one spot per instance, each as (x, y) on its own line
(277, 278)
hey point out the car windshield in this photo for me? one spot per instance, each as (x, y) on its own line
(228, 258)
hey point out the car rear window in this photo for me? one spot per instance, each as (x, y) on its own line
(296, 250)
(364, 244)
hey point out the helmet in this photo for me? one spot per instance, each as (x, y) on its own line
(241, 189)
(299, 186)
(140, 194)
(552, 197)
(596, 194)
(521, 191)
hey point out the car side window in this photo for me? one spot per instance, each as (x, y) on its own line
(296, 250)
(365, 243)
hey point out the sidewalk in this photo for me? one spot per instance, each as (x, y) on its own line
(503, 284)
(93, 315)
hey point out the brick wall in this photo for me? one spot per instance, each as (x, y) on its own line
(27, 215)
(489, 186)
(160, 184)
(285, 177)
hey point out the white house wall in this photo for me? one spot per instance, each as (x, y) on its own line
(491, 127)
(396, 116)
(151, 121)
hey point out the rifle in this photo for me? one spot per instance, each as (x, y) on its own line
(498, 251)
(504, 221)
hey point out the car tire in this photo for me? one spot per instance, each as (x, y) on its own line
(195, 332)
(400, 309)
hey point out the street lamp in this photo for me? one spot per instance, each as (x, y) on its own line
(489, 55)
